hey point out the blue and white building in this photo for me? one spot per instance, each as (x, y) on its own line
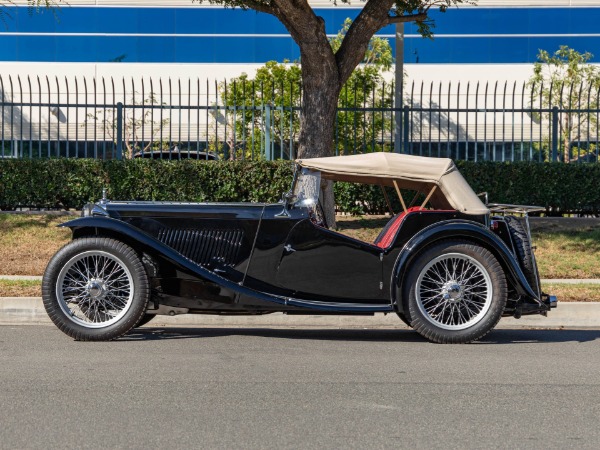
(180, 38)
(55, 63)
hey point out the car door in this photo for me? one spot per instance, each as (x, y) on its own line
(318, 263)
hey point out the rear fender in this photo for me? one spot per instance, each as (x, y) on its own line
(465, 230)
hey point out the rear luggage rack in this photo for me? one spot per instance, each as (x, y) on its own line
(524, 210)
(501, 208)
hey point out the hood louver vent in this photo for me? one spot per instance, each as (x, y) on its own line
(205, 247)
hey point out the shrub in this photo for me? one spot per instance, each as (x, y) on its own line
(70, 183)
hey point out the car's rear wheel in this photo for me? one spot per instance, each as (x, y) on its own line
(455, 292)
(95, 289)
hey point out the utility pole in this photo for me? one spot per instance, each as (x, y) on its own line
(399, 87)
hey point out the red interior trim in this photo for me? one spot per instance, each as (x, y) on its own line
(386, 240)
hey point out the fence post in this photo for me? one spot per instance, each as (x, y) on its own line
(268, 149)
(405, 129)
(119, 130)
(554, 134)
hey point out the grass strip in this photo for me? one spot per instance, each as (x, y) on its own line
(20, 288)
(568, 254)
(28, 241)
(573, 292)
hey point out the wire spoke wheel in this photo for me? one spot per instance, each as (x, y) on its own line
(454, 291)
(95, 289)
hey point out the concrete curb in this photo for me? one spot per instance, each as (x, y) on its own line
(30, 311)
(571, 281)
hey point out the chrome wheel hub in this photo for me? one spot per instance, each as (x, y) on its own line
(96, 289)
(454, 291)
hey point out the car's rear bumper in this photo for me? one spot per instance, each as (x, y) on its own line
(550, 301)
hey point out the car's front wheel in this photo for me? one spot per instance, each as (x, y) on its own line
(455, 292)
(95, 289)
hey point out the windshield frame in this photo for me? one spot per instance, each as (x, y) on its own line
(306, 188)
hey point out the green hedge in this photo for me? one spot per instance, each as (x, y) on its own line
(70, 183)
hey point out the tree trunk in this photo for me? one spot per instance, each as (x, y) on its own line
(321, 89)
(328, 199)
(319, 107)
(323, 72)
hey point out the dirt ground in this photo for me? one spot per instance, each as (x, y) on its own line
(28, 241)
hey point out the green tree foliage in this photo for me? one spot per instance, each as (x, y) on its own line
(325, 70)
(366, 88)
(378, 53)
(276, 87)
(567, 80)
(279, 85)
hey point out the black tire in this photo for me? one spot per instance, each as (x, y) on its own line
(524, 251)
(145, 319)
(454, 293)
(95, 289)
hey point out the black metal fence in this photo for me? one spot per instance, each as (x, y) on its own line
(83, 118)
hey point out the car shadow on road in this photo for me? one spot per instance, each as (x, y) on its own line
(498, 336)
(328, 334)
(539, 336)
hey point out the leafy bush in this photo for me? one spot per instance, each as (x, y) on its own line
(70, 183)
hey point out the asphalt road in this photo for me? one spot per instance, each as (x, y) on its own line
(256, 388)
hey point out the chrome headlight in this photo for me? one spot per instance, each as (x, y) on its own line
(93, 209)
(86, 211)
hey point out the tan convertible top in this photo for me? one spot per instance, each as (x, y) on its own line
(416, 173)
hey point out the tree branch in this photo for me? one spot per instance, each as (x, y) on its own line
(371, 19)
(300, 20)
(257, 6)
(409, 18)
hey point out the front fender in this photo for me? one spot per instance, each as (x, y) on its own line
(147, 242)
(458, 229)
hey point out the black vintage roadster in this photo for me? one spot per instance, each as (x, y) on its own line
(448, 267)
